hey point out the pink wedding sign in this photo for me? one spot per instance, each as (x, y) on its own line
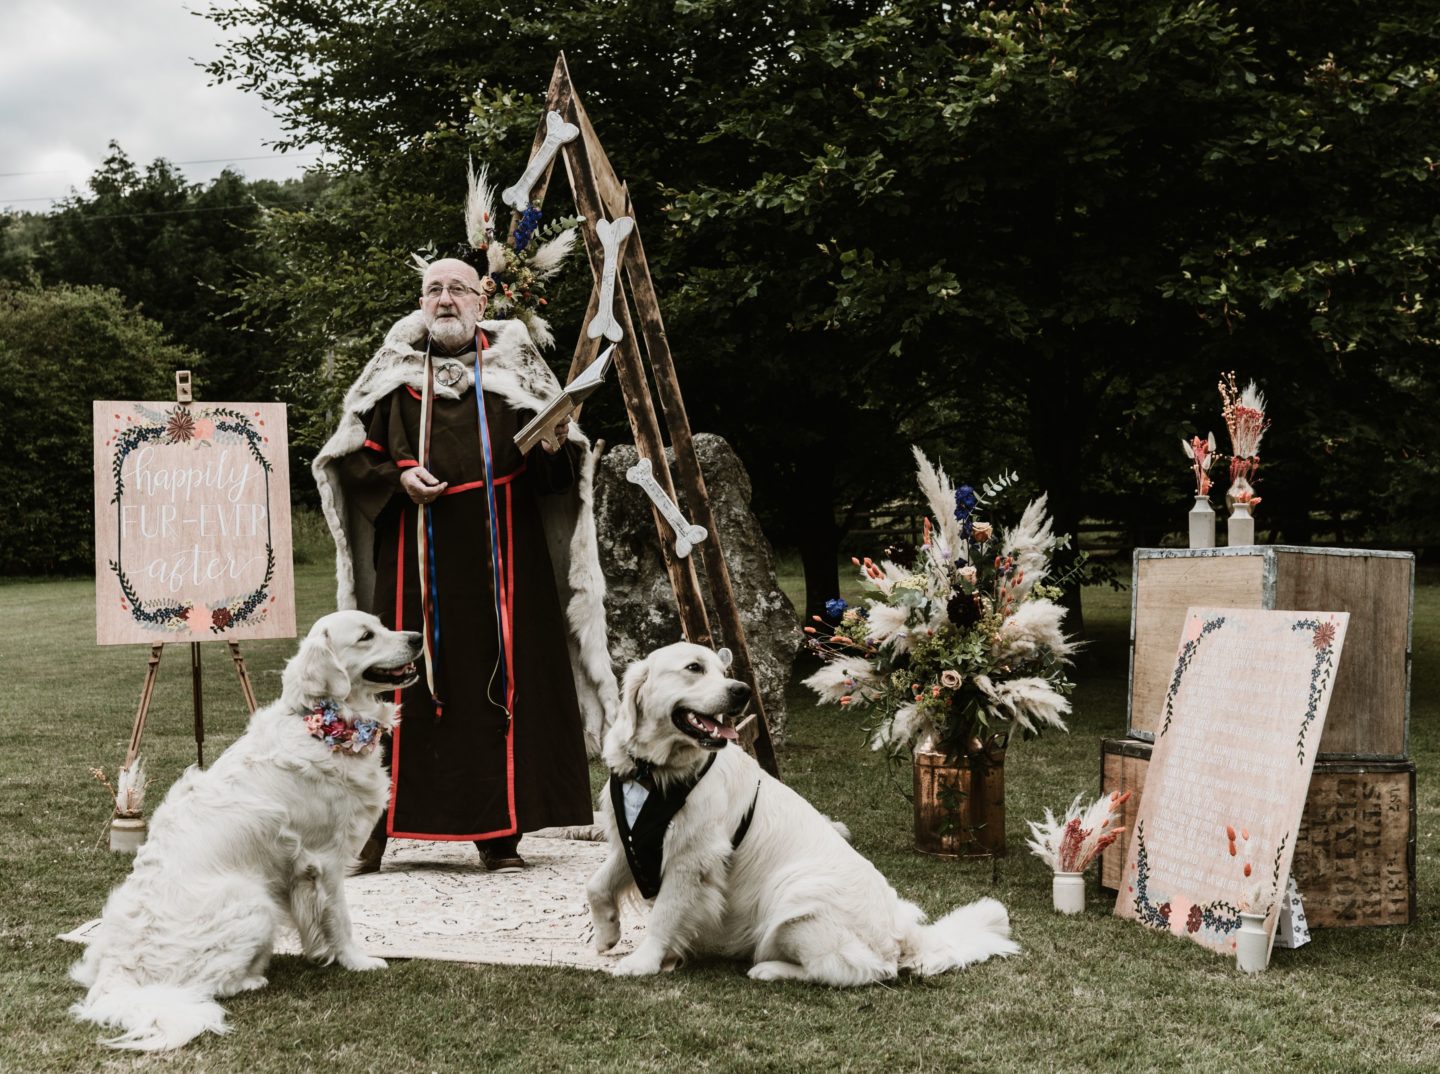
(192, 522)
(1234, 748)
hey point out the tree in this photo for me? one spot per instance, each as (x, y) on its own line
(1059, 220)
(60, 348)
(178, 250)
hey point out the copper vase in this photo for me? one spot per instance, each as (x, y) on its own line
(960, 804)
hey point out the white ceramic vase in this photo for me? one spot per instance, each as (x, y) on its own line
(1202, 523)
(1068, 892)
(1240, 529)
(126, 834)
(1252, 945)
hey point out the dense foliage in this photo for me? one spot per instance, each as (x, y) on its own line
(1019, 234)
(1020, 224)
(61, 348)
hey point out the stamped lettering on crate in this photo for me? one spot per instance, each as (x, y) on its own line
(1243, 712)
(1351, 860)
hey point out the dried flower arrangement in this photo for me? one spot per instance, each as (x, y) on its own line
(1070, 844)
(1245, 419)
(963, 637)
(1201, 454)
(128, 791)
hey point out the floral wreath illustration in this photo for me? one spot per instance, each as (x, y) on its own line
(1322, 637)
(1182, 665)
(179, 425)
(1218, 915)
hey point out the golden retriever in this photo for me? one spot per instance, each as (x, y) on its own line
(746, 867)
(262, 837)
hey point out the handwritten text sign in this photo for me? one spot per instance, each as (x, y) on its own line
(192, 522)
(1217, 826)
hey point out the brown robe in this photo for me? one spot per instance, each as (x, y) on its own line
(460, 769)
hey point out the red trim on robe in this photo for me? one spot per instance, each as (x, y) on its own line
(470, 485)
(399, 625)
(374, 447)
(507, 576)
(402, 463)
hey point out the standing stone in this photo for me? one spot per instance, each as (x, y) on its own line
(639, 602)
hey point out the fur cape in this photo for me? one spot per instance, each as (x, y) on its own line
(515, 371)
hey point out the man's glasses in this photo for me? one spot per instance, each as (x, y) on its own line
(456, 290)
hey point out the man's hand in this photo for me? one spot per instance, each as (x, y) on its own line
(421, 485)
(557, 438)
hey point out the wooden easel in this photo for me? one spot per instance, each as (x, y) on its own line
(599, 194)
(183, 394)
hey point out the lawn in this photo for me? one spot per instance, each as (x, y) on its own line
(1088, 993)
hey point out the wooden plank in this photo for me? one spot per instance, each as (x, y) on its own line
(1164, 588)
(1122, 768)
(1355, 858)
(1355, 855)
(1368, 713)
(697, 497)
(639, 408)
(599, 193)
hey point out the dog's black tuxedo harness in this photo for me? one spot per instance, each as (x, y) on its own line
(645, 843)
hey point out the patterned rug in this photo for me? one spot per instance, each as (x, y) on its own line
(435, 900)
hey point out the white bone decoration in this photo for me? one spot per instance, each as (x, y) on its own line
(557, 133)
(604, 322)
(686, 535)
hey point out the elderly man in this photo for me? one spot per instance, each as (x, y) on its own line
(442, 526)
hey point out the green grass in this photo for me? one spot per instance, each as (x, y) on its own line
(1088, 993)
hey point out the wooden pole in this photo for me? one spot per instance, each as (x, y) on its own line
(245, 688)
(199, 703)
(146, 692)
(697, 497)
(631, 374)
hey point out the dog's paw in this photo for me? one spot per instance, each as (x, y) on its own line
(636, 964)
(775, 971)
(607, 935)
(360, 961)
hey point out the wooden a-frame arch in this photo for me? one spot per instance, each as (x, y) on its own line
(600, 195)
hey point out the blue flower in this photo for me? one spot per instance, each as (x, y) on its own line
(834, 609)
(529, 221)
(965, 501)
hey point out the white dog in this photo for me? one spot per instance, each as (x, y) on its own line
(263, 837)
(746, 867)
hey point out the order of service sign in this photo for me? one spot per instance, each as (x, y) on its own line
(1236, 743)
(192, 522)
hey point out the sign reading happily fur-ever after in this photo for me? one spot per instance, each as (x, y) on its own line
(192, 522)
(1234, 748)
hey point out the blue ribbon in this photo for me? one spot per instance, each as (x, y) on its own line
(494, 526)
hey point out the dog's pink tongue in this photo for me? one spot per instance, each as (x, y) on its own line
(716, 729)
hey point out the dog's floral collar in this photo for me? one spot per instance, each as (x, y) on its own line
(327, 722)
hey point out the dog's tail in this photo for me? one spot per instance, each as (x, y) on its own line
(153, 1017)
(961, 938)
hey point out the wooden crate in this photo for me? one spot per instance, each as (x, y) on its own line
(1355, 855)
(1369, 717)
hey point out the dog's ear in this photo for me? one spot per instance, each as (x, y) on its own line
(635, 676)
(314, 672)
(726, 657)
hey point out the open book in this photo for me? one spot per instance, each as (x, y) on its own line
(542, 428)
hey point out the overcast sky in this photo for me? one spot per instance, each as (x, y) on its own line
(75, 74)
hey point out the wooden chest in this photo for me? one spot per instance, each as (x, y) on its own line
(1369, 715)
(1355, 854)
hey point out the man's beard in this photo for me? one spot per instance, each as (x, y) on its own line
(451, 333)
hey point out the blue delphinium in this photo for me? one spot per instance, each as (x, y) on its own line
(835, 608)
(965, 501)
(529, 221)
